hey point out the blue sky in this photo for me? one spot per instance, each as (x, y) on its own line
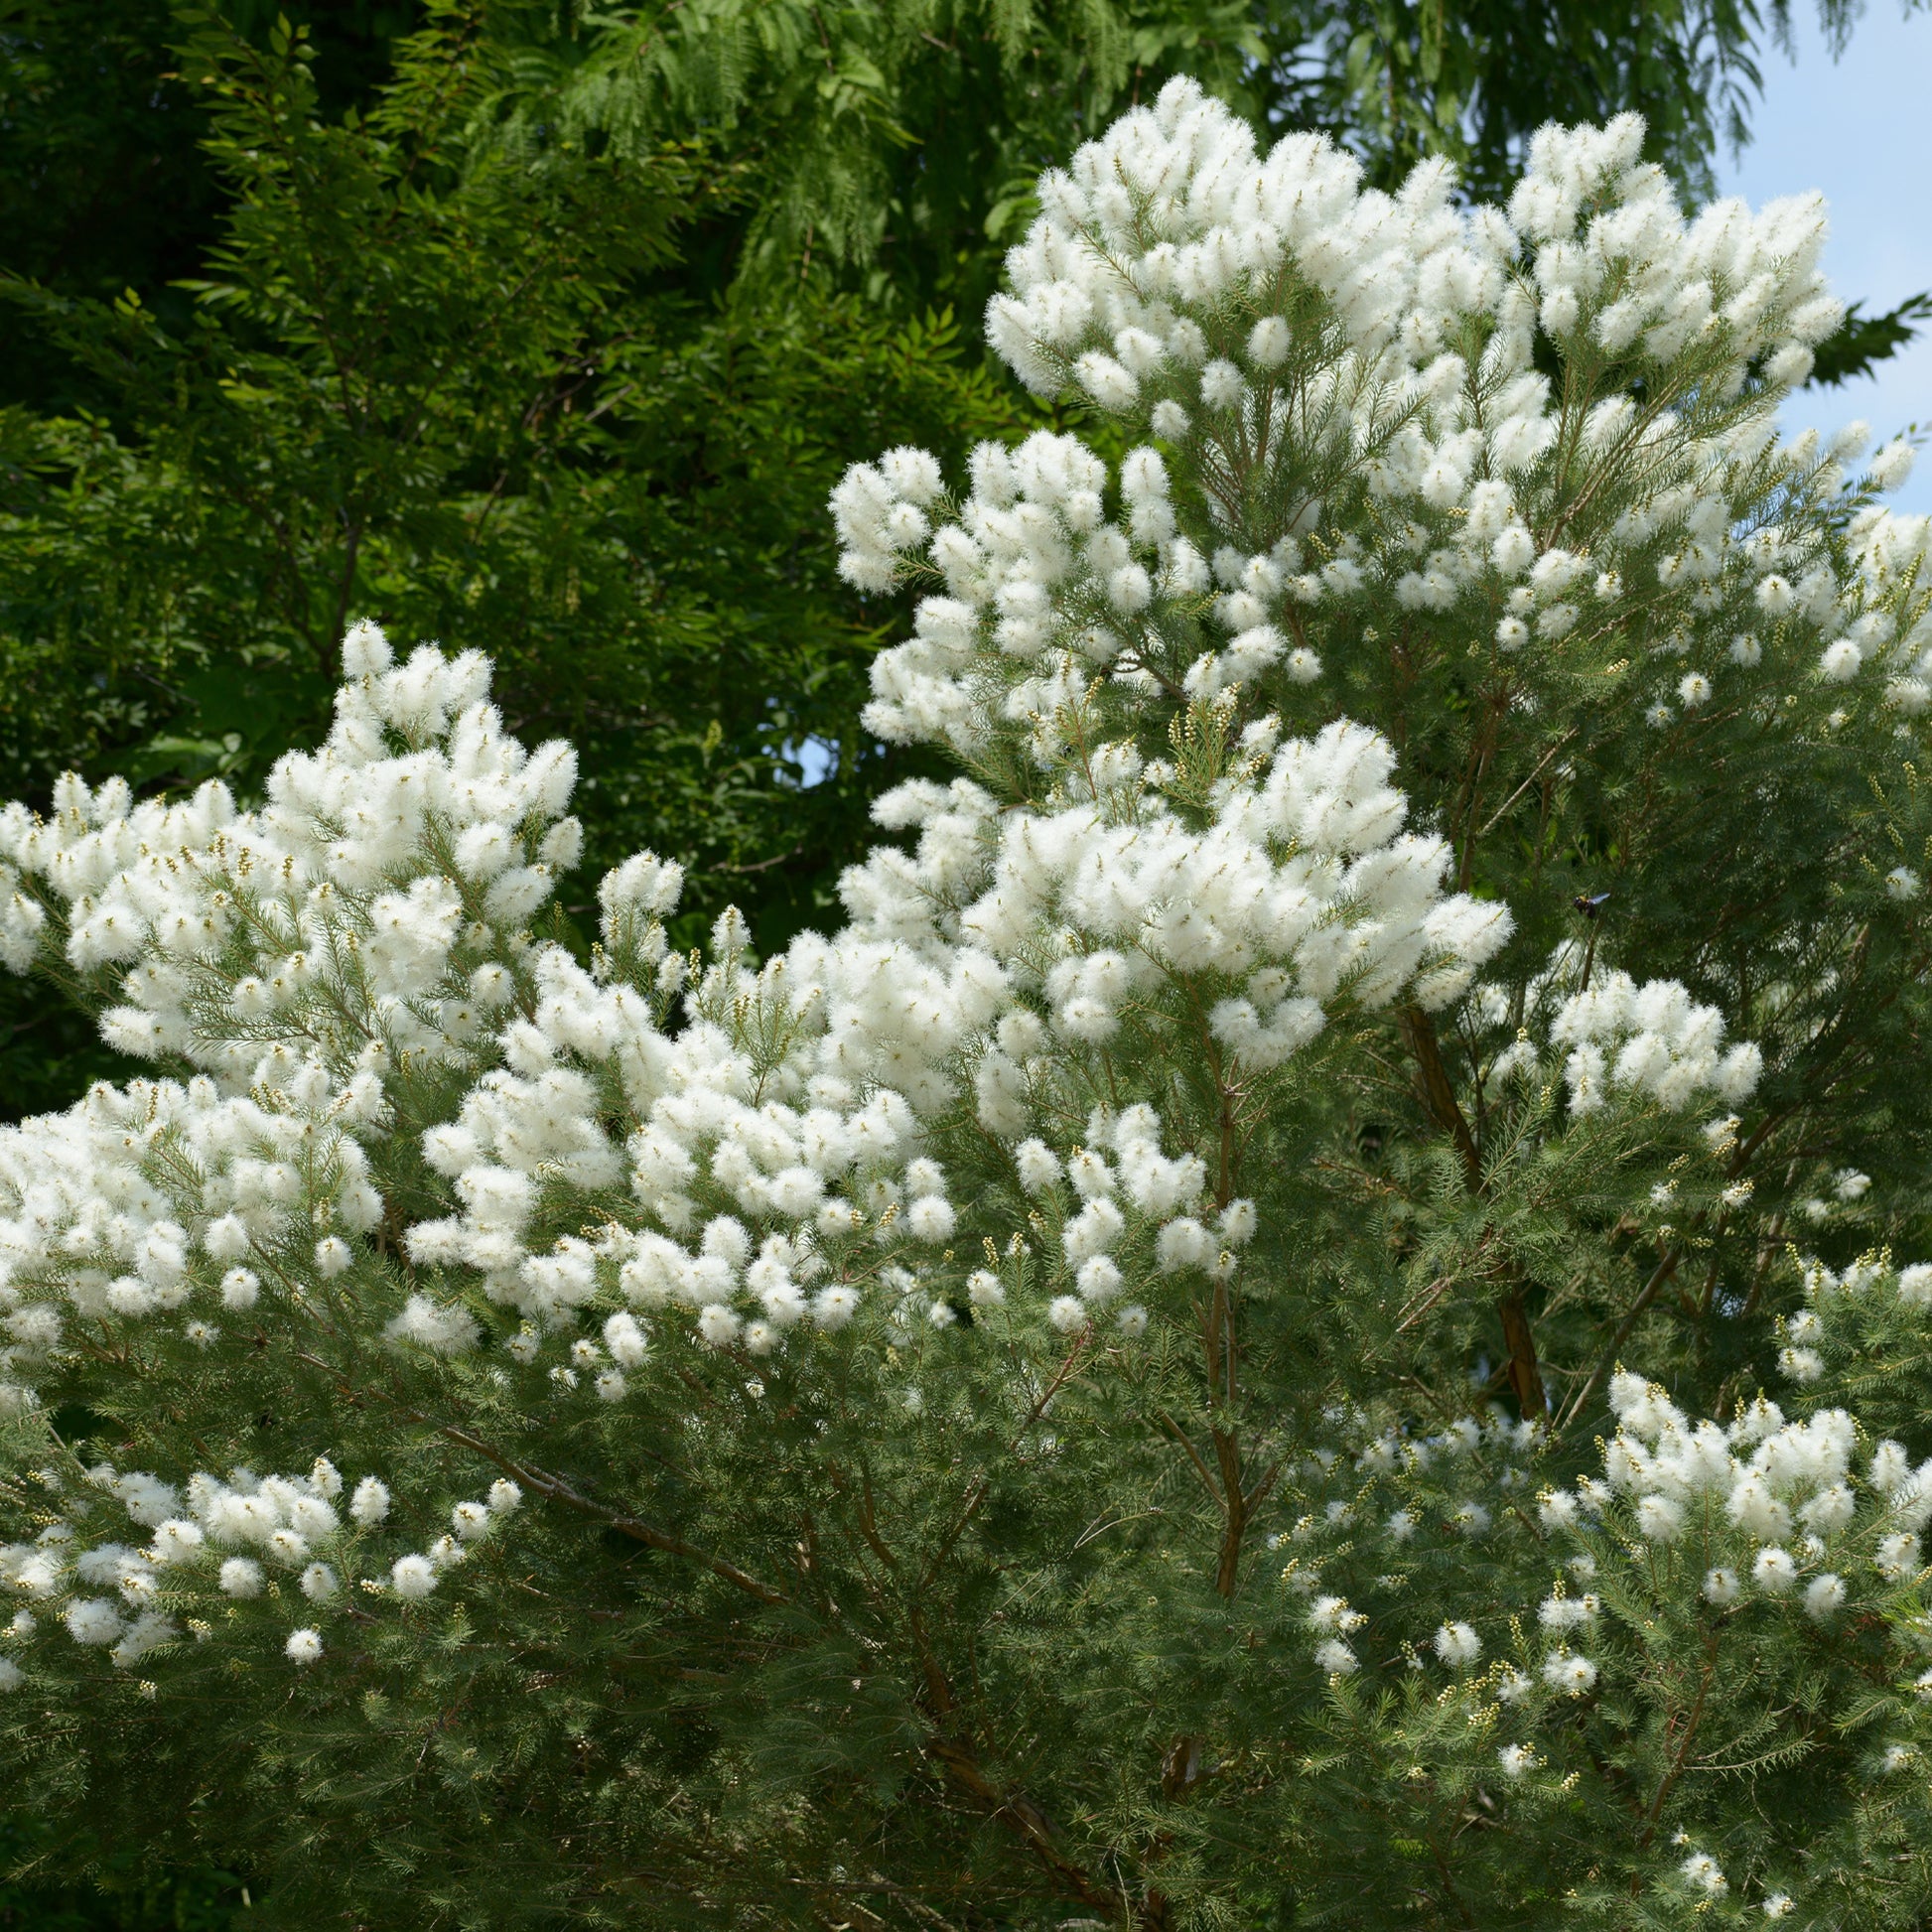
(1860, 129)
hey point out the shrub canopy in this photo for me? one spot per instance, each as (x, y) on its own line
(1304, 1316)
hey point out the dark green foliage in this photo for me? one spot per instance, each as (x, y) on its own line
(128, 1891)
(1404, 79)
(103, 184)
(1866, 341)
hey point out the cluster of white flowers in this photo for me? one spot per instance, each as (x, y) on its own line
(1297, 340)
(1824, 1286)
(358, 924)
(1174, 209)
(1005, 947)
(762, 1162)
(216, 1539)
(366, 874)
(1765, 1509)
(1651, 1041)
(89, 1227)
(1760, 1479)
(1866, 1290)
(1664, 1044)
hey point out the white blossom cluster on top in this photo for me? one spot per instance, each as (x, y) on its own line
(1345, 381)
(1004, 954)
(765, 1162)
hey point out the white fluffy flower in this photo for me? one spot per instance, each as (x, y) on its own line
(93, 1620)
(412, 1578)
(1823, 1598)
(1569, 1674)
(242, 1577)
(1068, 1314)
(1896, 1555)
(1702, 1872)
(369, 1504)
(1842, 661)
(1660, 1518)
(319, 1582)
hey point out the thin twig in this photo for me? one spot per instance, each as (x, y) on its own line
(1496, 816)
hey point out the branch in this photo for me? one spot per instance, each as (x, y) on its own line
(557, 1489)
(1496, 816)
(1659, 1276)
(1691, 1722)
(1439, 1098)
(1020, 1814)
(1437, 1092)
(1525, 1376)
(1194, 1456)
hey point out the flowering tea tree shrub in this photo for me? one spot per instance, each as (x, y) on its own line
(1309, 1317)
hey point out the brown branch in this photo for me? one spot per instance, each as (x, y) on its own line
(1021, 1815)
(1525, 1376)
(1194, 1456)
(1421, 1302)
(555, 1488)
(1235, 1507)
(1437, 1091)
(1659, 1276)
(761, 864)
(1438, 1094)
(1691, 1722)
